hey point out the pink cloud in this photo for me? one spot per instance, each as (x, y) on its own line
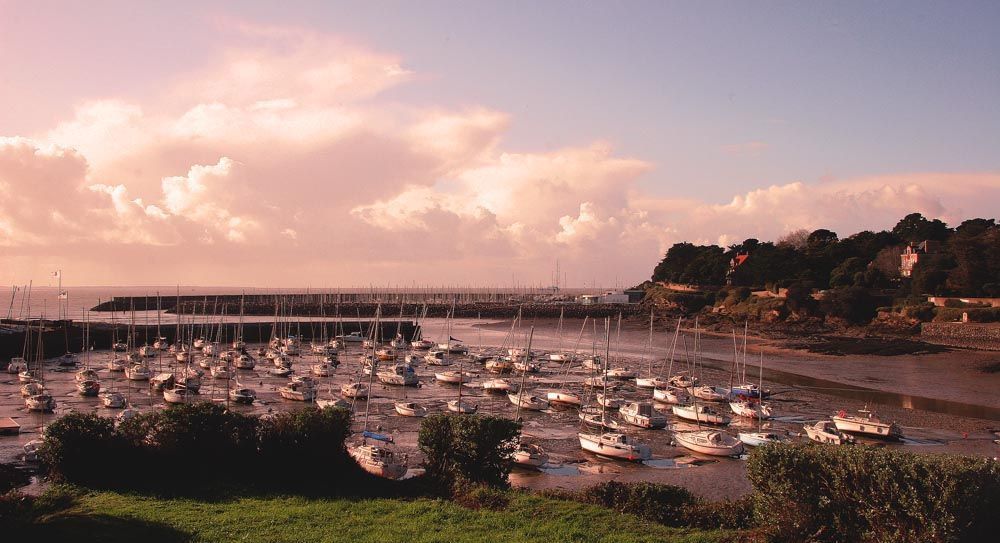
(282, 164)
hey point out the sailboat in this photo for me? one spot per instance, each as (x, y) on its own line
(42, 402)
(668, 393)
(650, 381)
(612, 444)
(456, 406)
(563, 396)
(747, 407)
(377, 459)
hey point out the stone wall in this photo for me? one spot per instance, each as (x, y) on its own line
(962, 334)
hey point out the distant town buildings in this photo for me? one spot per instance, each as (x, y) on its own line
(605, 298)
(913, 253)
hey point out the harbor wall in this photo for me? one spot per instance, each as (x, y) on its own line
(971, 335)
(312, 305)
(60, 336)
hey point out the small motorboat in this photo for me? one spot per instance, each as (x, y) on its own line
(711, 442)
(43, 403)
(138, 372)
(462, 408)
(161, 381)
(756, 439)
(669, 395)
(750, 409)
(453, 377)
(32, 389)
(499, 365)
(399, 375)
(354, 390)
(112, 399)
(700, 413)
(563, 397)
(683, 380)
(594, 417)
(825, 431)
(300, 391)
(410, 409)
(651, 382)
(17, 365)
(709, 394)
(379, 461)
(615, 445)
(621, 373)
(497, 385)
(866, 423)
(90, 387)
(610, 402)
(529, 402)
(243, 395)
(643, 415)
(178, 395)
(530, 455)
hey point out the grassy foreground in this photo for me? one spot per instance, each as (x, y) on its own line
(133, 517)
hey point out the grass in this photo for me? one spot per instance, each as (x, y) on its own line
(135, 518)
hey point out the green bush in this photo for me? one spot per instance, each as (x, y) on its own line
(203, 444)
(80, 447)
(951, 314)
(466, 449)
(817, 493)
(731, 514)
(483, 497)
(665, 504)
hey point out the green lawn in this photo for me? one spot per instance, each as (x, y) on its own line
(110, 517)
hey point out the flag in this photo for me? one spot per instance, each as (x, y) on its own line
(454, 338)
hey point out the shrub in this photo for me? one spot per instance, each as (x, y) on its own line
(80, 447)
(732, 514)
(665, 504)
(816, 493)
(483, 497)
(468, 449)
(204, 444)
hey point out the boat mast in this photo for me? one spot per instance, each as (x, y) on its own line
(524, 372)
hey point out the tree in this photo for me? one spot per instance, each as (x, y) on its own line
(853, 304)
(914, 227)
(796, 239)
(468, 449)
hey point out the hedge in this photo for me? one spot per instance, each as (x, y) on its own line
(822, 493)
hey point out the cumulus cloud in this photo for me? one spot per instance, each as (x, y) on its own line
(282, 163)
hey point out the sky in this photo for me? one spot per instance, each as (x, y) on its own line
(475, 143)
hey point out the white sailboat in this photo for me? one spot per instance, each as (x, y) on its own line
(612, 445)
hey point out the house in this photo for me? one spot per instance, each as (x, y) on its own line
(912, 254)
(734, 263)
(606, 298)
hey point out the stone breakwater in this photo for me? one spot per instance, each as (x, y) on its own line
(984, 336)
(231, 305)
(59, 337)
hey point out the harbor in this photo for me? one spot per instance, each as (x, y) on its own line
(796, 400)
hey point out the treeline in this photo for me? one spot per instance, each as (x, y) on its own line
(965, 261)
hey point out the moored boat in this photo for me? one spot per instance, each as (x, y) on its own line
(867, 423)
(615, 445)
(700, 413)
(711, 442)
(643, 415)
(410, 409)
(825, 431)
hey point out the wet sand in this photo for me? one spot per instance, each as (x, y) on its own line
(555, 429)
